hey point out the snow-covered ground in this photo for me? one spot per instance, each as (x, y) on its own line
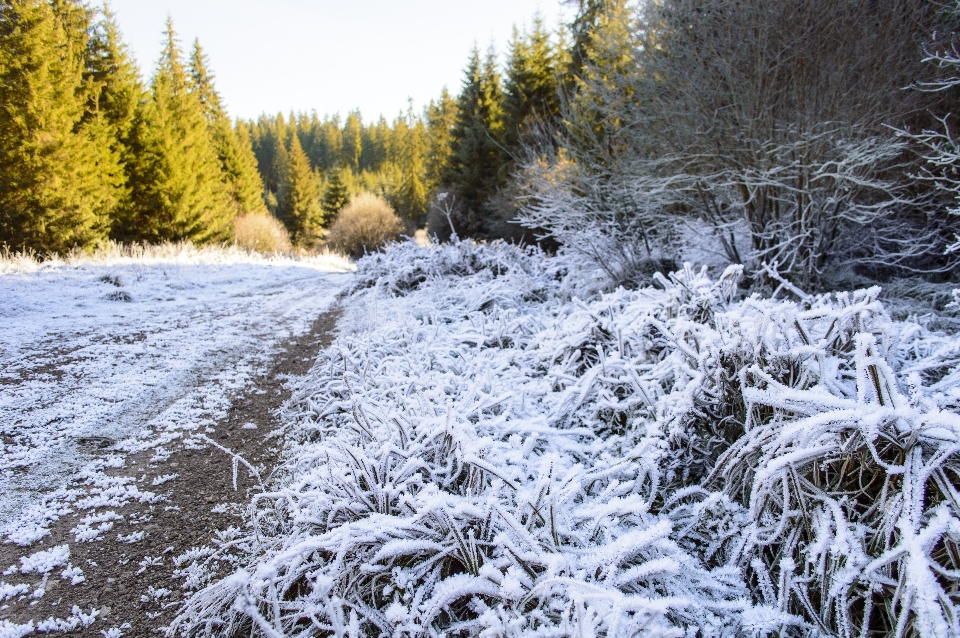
(490, 449)
(131, 353)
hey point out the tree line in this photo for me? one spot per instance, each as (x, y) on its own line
(788, 136)
(463, 148)
(89, 151)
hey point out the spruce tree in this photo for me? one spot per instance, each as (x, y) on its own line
(237, 160)
(328, 137)
(299, 206)
(115, 96)
(604, 83)
(352, 142)
(441, 117)
(335, 197)
(179, 189)
(59, 178)
(582, 27)
(408, 149)
(114, 78)
(477, 158)
(531, 88)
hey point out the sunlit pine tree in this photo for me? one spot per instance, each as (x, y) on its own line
(236, 156)
(179, 187)
(59, 178)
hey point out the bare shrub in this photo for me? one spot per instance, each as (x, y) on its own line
(365, 224)
(261, 233)
(739, 113)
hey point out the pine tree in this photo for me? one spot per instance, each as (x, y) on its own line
(237, 160)
(113, 76)
(116, 92)
(328, 137)
(407, 151)
(299, 206)
(477, 157)
(582, 28)
(603, 84)
(277, 175)
(58, 175)
(441, 117)
(336, 195)
(352, 142)
(532, 90)
(179, 189)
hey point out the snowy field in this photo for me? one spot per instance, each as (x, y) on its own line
(130, 353)
(491, 449)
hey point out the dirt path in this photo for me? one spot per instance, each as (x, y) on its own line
(132, 580)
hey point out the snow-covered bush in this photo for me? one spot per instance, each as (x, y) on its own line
(481, 454)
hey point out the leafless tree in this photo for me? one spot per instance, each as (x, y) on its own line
(770, 114)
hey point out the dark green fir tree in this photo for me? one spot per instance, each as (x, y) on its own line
(298, 198)
(237, 160)
(532, 84)
(59, 178)
(335, 196)
(179, 188)
(477, 157)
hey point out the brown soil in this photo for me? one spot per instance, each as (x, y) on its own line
(184, 520)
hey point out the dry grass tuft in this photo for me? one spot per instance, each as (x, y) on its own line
(183, 253)
(365, 224)
(261, 233)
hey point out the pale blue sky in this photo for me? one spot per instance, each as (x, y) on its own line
(328, 55)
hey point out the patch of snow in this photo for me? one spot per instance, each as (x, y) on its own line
(8, 591)
(89, 379)
(160, 480)
(10, 629)
(45, 561)
(133, 537)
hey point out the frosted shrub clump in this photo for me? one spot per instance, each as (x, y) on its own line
(481, 454)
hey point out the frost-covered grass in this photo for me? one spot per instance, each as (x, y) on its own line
(183, 253)
(482, 453)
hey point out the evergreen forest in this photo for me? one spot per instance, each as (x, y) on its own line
(92, 152)
(636, 129)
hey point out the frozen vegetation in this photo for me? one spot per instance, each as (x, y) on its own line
(123, 352)
(490, 448)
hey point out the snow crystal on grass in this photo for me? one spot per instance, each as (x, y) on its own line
(133, 537)
(155, 594)
(482, 452)
(73, 574)
(78, 619)
(94, 526)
